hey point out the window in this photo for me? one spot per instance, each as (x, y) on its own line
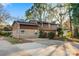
(36, 33)
(22, 31)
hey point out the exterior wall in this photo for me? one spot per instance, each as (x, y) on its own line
(15, 26)
(22, 26)
(30, 31)
(15, 30)
(54, 27)
(15, 33)
(25, 33)
(49, 27)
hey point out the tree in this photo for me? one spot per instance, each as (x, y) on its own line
(69, 8)
(37, 12)
(29, 14)
(7, 28)
(60, 13)
(3, 14)
(73, 11)
(74, 16)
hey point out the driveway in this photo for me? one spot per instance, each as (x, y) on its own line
(7, 48)
(50, 42)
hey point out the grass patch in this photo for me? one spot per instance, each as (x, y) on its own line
(13, 40)
(16, 40)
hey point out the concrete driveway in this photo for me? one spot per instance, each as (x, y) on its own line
(48, 42)
(7, 48)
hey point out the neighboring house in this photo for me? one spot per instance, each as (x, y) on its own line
(31, 29)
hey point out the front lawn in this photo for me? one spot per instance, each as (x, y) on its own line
(15, 40)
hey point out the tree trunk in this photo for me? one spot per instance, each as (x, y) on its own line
(71, 27)
(70, 24)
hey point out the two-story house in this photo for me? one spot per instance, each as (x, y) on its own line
(31, 29)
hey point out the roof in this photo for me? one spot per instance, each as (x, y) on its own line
(25, 23)
(33, 22)
(47, 23)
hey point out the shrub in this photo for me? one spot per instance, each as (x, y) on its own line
(42, 34)
(5, 33)
(69, 34)
(64, 38)
(60, 31)
(51, 35)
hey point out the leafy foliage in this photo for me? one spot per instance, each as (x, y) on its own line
(42, 34)
(75, 13)
(69, 34)
(4, 15)
(7, 28)
(60, 12)
(51, 35)
(5, 33)
(60, 31)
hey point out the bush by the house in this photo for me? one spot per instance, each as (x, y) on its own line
(5, 33)
(60, 32)
(64, 38)
(42, 34)
(69, 34)
(51, 35)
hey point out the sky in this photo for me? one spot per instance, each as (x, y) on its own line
(17, 9)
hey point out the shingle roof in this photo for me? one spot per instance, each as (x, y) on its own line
(25, 23)
(33, 22)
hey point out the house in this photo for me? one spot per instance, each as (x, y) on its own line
(31, 29)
